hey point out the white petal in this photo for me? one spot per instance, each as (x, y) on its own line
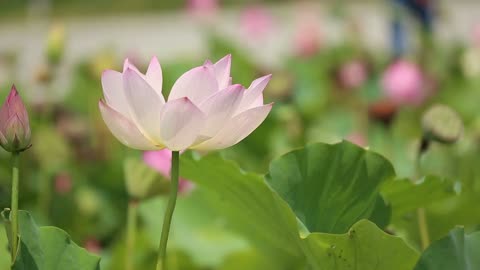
(112, 84)
(197, 84)
(236, 129)
(219, 108)
(154, 76)
(252, 95)
(145, 104)
(181, 123)
(124, 130)
(222, 71)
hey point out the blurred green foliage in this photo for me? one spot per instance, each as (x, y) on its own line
(73, 177)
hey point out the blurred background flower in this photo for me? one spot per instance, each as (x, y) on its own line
(161, 161)
(403, 83)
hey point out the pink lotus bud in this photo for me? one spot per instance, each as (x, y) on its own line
(403, 83)
(161, 161)
(352, 74)
(14, 125)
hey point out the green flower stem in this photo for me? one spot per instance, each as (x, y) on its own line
(45, 195)
(423, 228)
(14, 211)
(131, 233)
(162, 251)
(421, 214)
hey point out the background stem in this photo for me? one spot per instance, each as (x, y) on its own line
(14, 212)
(162, 251)
(421, 215)
(131, 233)
(423, 228)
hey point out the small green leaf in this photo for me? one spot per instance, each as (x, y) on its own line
(49, 248)
(405, 196)
(331, 187)
(364, 247)
(4, 253)
(382, 213)
(457, 251)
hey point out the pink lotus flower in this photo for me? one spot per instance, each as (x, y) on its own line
(63, 183)
(308, 38)
(352, 74)
(403, 83)
(256, 22)
(203, 9)
(357, 138)
(15, 132)
(93, 245)
(476, 35)
(161, 161)
(204, 110)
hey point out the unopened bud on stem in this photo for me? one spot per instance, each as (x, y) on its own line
(15, 132)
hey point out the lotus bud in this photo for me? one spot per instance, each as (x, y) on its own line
(56, 43)
(15, 132)
(442, 124)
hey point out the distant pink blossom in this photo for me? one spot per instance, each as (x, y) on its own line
(63, 183)
(403, 83)
(203, 9)
(353, 74)
(93, 245)
(307, 39)
(256, 22)
(357, 138)
(161, 161)
(476, 35)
